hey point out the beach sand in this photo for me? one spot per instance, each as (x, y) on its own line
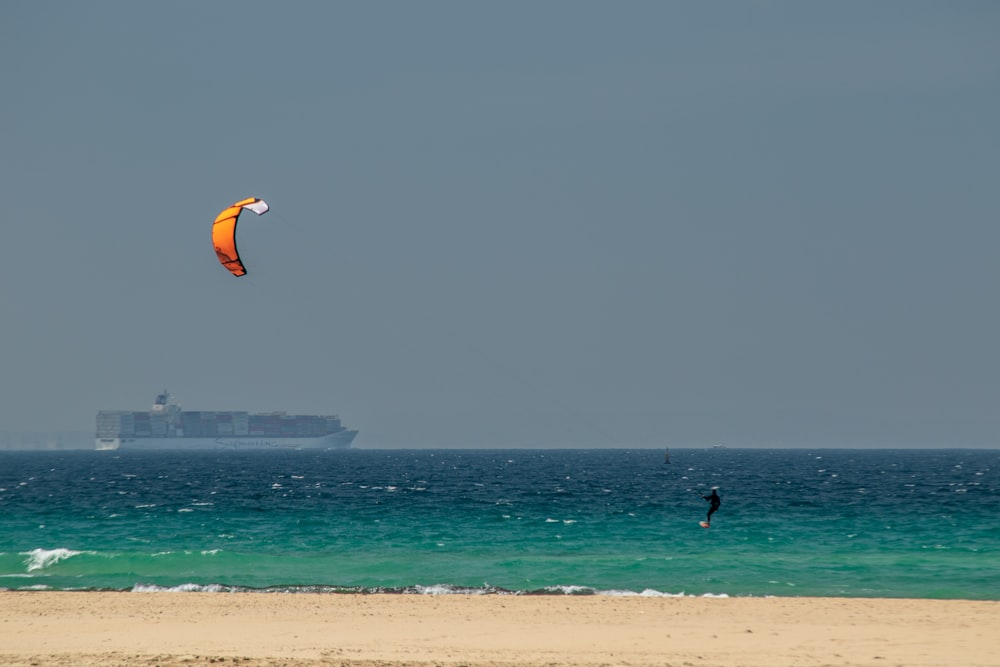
(298, 630)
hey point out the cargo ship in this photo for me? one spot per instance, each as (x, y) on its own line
(167, 426)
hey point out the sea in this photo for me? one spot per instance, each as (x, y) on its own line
(793, 522)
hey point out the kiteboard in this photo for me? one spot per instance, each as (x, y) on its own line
(703, 524)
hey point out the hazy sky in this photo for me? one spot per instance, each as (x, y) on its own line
(497, 224)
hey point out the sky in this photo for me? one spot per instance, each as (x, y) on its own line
(509, 224)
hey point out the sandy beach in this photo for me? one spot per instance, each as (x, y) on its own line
(298, 630)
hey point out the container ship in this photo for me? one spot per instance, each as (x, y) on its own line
(167, 426)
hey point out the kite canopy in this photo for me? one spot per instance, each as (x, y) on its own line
(224, 233)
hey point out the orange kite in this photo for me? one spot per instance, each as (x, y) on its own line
(224, 233)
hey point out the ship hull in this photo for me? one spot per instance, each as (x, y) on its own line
(339, 440)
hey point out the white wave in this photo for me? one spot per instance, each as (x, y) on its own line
(570, 590)
(442, 589)
(647, 593)
(39, 559)
(182, 588)
(653, 593)
(650, 593)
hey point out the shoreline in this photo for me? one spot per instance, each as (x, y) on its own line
(86, 628)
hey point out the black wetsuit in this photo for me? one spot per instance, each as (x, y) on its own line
(716, 501)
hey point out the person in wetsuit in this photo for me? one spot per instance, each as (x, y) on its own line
(716, 501)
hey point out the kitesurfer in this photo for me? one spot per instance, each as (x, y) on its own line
(716, 501)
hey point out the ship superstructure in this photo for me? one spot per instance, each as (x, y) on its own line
(167, 426)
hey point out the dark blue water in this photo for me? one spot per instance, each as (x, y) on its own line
(884, 523)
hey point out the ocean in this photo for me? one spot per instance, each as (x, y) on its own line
(793, 522)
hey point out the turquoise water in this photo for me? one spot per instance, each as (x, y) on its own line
(882, 523)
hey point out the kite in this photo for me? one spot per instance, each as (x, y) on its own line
(224, 233)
